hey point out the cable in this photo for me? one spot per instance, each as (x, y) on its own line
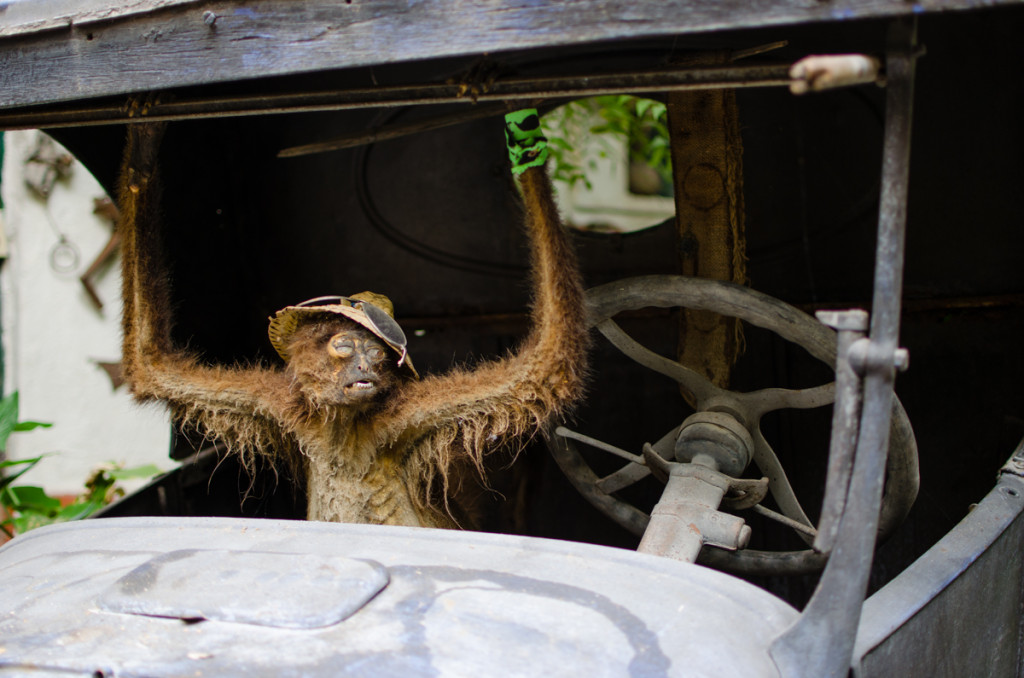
(410, 244)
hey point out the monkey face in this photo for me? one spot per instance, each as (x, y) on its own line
(359, 363)
(339, 363)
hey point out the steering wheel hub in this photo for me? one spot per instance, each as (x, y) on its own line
(718, 437)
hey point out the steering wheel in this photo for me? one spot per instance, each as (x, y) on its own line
(746, 408)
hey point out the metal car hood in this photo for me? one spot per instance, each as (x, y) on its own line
(224, 597)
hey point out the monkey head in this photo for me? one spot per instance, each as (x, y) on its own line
(339, 363)
(346, 351)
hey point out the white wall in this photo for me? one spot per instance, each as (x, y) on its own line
(53, 335)
(608, 204)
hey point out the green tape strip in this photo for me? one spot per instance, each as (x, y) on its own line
(527, 145)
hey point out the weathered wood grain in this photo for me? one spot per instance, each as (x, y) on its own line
(211, 42)
(19, 17)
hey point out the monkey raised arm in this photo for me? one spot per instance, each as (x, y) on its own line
(221, 399)
(460, 415)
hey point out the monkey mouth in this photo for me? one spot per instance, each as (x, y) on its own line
(361, 386)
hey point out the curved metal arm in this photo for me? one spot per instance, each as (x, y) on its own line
(699, 387)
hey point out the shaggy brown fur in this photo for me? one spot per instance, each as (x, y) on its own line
(392, 460)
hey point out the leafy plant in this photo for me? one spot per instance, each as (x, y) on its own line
(642, 123)
(26, 507)
(9, 420)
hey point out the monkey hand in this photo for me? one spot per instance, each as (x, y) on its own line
(527, 145)
(143, 144)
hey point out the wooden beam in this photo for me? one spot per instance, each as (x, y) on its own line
(21, 18)
(183, 44)
(707, 169)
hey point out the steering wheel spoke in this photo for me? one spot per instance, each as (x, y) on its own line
(759, 403)
(746, 410)
(603, 446)
(697, 386)
(632, 472)
(778, 483)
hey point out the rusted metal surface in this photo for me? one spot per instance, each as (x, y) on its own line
(956, 611)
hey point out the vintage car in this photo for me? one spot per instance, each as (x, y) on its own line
(705, 513)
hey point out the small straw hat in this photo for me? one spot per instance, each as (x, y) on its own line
(373, 311)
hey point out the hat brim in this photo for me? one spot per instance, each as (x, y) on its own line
(287, 320)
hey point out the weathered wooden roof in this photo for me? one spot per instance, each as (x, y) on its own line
(71, 50)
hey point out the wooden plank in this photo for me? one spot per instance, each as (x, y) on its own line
(18, 17)
(177, 46)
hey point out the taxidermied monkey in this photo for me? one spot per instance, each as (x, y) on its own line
(373, 441)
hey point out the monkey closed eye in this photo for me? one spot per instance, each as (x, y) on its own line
(341, 347)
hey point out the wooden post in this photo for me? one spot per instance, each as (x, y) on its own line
(707, 161)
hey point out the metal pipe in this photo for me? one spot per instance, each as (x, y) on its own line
(680, 517)
(469, 92)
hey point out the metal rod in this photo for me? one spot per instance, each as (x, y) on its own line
(785, 520)
(820, 644)
(385, 132)
(513, 89)
(604, 447)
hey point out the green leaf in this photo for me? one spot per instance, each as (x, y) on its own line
(32, 498)
(145, 471)
(8, 417)
(560, 143)
(7, 480)
(98, 490)
(30, 521)
(657, 156)
(29, 425)
(79, 510)
(7, 463)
